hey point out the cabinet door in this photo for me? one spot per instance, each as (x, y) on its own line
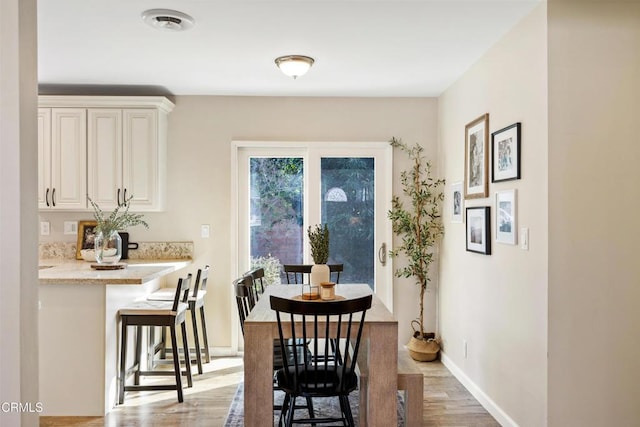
(142, 157)
(44, 158)
(68, 158)
(104, 150)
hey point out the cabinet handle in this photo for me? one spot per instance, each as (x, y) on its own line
(118, 198)
(124, 200)
(53, 197)
(46, 197)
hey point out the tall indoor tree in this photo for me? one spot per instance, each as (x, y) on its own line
(416, 218)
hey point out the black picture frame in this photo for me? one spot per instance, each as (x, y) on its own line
(478, 229)
(505, 153)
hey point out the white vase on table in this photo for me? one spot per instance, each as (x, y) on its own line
(319, 273)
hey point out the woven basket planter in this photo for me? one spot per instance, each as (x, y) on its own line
(423, 350)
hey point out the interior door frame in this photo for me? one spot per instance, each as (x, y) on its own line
(382, 152)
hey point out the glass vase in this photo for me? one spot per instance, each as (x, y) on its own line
(108, 248)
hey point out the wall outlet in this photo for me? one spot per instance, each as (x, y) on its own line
(204, 231)
(45, 228)
(70, 227)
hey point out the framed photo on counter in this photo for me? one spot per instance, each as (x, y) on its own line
(86, 236)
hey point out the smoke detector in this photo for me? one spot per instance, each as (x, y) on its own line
(168, 20)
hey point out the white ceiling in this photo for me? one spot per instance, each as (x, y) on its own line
(361, 48)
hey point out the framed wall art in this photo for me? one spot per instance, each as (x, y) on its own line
(506, 227)
(457, 202)
(476, 158)
(86, 236)
(505, 153)
(479, 230)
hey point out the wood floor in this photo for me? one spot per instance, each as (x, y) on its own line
(446, 402)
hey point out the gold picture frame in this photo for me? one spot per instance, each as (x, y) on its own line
(86, 234)
(476, 158)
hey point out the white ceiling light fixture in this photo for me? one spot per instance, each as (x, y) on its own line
(168, 20)
(294, 65)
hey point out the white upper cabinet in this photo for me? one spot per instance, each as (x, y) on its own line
(104, 157)
(127, 157)
(126, 144)
(62, 156)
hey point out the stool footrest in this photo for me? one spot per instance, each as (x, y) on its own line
(150, 387)
(160, 373)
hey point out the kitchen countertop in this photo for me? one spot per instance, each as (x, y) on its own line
(136, 272)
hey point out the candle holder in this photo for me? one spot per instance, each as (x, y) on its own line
(310, 292)
(328, 291)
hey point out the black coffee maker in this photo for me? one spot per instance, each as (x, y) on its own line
(126, 245)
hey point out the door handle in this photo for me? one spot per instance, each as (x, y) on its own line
(382, 254)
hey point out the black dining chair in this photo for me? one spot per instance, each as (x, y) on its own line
(298, 274)
(303, 375)
(257, 276)
(245, 300)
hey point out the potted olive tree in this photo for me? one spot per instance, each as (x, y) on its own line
(419, 225)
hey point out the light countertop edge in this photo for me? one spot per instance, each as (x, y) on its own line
(136, 272)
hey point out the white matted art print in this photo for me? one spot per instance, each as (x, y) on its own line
(457, 202)
(506, 226)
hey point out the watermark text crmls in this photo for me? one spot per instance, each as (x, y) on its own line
(7, 407)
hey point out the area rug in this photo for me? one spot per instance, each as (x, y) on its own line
(322, 407)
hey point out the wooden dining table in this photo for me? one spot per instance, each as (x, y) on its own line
(379, 336)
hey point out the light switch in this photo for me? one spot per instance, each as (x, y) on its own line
(204, 231)
(524, 238)
(70, 227)
(44, 228)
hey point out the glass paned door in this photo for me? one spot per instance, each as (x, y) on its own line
(283, 188)
(276, 211)
(348, 207)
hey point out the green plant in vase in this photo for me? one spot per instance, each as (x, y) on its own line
(108, 244)
(319, 242)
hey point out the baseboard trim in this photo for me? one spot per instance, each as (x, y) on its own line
(491, 407)
(223, 352)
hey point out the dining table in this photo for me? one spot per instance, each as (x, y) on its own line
(379, 338)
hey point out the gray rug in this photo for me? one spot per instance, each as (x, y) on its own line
(322, 407)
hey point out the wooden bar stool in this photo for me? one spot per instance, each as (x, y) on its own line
(196, 304)
(155, 313)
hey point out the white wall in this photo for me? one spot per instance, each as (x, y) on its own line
(18, 238)
(201, 129)
(594, 200)
(498, 303)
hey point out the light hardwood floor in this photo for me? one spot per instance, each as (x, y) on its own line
(446, 402)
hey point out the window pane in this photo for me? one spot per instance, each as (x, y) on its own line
(348, 196)
(276, 213)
